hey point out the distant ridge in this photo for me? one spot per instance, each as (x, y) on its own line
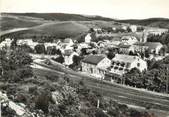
(62, 16)
(154, 22)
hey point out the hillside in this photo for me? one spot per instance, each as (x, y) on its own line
(153, 22)
(56, 30)
(14, 22)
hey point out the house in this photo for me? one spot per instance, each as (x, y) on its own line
(97, 29)
(121, 64)
(125, 48)
(124, 27)
(88, 38)
(133, 28)
(139, 47)
(28, 42)
(130, 40)
(68, 57)
(152, 47)
(96, 65)
(6, 43)
(68, 42)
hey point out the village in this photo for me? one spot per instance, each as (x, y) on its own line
(104, 54)
(102, 51)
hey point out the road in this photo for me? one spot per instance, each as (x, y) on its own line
(115, 91)
(12, 31)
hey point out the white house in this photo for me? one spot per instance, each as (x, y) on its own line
(154, 47)
(96, 65)
(133, 28)
(130, 40)
(88, 38)
(6, 43)
(68, 42)
(68, 57)
(121, 64)
(124, 27)
(125, 49)
(29, 42)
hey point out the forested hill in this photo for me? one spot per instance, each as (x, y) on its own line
(61, 16)
(153, 22)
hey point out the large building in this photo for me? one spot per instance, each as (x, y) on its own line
(96, 65)
(152, 47)
(121, 64)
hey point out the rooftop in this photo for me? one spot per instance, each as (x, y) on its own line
(124, 58)
(93, 59)
(123, 45)
(67, 40)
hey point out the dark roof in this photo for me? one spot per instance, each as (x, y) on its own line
(121, 45)
(139, 44)
(93, 59)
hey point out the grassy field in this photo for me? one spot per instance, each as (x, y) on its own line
(56, 29)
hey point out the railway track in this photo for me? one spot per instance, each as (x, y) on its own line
(117, 92)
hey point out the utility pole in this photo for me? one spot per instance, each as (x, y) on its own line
(98, 101)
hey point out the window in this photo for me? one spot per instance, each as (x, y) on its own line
(0, 71)
(91, 70)
(138, 64)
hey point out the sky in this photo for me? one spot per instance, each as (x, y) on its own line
(119, 9)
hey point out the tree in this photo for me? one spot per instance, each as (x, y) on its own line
(76, 59)
(59, 59)
(51, 50)
(129, 29)
(131, 53)
(16, 65)
(133, 78)
(14, 43)
(111, 54)
(84, 51)
(42, 100)
(26, 48)
(40, 49)
(146, 53)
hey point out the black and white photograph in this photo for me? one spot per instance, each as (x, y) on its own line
(84, 58)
